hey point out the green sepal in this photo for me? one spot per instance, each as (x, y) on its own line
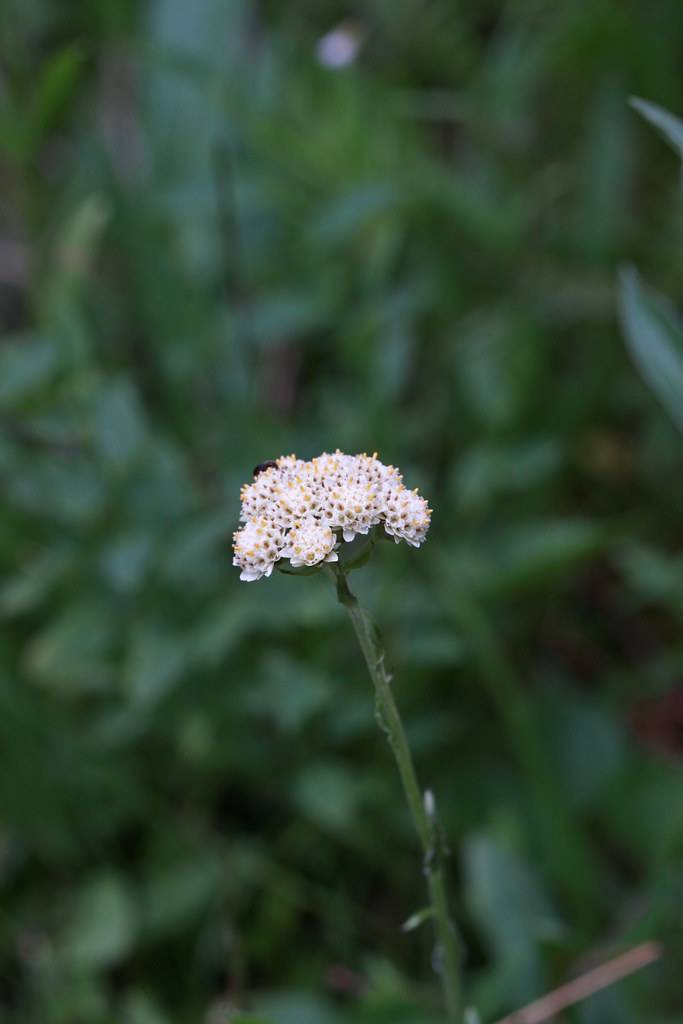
(300, 570)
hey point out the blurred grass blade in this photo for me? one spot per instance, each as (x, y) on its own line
(58, 80)
(566, 845)
(655, 340)
(668, 126)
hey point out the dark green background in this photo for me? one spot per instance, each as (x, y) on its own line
(214, 251)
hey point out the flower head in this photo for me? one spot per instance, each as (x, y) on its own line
(309, 542)
(303, 510)
(257, 547)
(406, 516)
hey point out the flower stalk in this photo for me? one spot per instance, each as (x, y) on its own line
(325, 515)
(447, 959)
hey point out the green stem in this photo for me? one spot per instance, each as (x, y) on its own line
(448, 957)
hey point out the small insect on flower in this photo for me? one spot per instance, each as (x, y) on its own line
(263, 466)
(303, 511)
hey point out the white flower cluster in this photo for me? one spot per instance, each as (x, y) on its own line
(300, 510)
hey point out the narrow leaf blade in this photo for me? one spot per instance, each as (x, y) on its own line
(668, 126)
(655, 340)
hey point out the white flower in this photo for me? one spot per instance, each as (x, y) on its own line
(298, 510)
(385, 477)
(339, 48)
(257, 547)
(310, 542)
(290, 465)
(298, 495)
(406, 516)
(258, 497)
(352, 505)
(335, 468)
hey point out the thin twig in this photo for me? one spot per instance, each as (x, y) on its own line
(586, 985)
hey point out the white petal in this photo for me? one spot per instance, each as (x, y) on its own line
(332, 557)
(348, 534)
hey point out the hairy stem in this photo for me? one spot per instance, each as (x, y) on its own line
(447, 954)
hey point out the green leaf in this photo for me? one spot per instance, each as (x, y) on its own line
(655, 340)
(352, 212)
(328, 794)
(157, 658)
(79, 239)
(140, 1008)
(27, 364)
(668, 126)
(119, 425)
(193, 552)
(499, 357)
(292, 1007)
(35, 581)
(178, 895)
(125, 560)
(70, 655)
(528, 554)
(508, 902)
(290, 693)
(284, 315)
(655, 575)
(491, 469)
(57, 81)
(589, 745)
(102, 929)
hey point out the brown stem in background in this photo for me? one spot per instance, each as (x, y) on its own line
(586, 985)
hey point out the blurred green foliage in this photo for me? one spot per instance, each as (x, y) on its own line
(214, 250)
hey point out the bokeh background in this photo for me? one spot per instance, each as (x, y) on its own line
(216, 248)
